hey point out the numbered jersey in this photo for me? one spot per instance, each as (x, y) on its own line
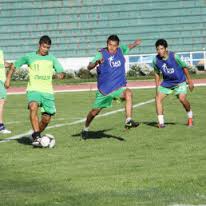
(171, 69)
(41, 70)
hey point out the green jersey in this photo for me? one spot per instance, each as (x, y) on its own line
(41, 69)
(2, 67)
(125, 50)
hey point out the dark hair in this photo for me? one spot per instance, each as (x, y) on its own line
(113, 38)
(45, 40)
(161, 42)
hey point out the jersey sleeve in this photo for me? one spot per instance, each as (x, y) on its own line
(20, 62)
(182, 63)
(97, 57)
(125, 49)
(57, 66)
(156, 69)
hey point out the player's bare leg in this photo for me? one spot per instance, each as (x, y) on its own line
(33, 107)
(91, 115)
(128, 97)
(186, 105)
(159, 109)
(45, 119)
(3, 130)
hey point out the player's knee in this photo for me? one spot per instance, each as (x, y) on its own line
(46, 119)
(128, 93)
(182, 99)
(95, 112)
(158, 99)
(33, 106)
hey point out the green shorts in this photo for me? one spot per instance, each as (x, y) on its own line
(179, 89)
(3, 93)
(45, 101)
(103, 101)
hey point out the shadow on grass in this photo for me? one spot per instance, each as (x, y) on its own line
(155, 124)
(24, 140)
(100, 135)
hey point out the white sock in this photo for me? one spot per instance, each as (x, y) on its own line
(189, 114)
(128, 119)
(160, 119)
(86, 129)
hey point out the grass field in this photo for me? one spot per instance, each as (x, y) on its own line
(141, 166)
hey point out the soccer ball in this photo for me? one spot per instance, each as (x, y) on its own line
(47, 140)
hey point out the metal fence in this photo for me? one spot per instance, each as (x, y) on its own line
(197, 59)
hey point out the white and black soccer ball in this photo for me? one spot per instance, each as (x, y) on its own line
(48, 141)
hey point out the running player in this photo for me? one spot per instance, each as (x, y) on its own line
(111, 80)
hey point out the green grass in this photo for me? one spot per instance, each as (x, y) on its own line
(142, 166)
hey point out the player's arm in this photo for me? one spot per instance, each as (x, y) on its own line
(136, 43)
(7, 64)
(58, 69)
(17, 65)
(189, 80)
(184, 66)
(126, 48)
(157, 75)
(97, 60)
(9, 75)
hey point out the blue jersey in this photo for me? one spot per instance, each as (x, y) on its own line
(172, 72)
(111, 73)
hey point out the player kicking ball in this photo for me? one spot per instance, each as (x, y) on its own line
(175, 75)
(111, 81)
(41, 64)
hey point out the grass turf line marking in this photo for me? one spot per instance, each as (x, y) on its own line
(75, 122)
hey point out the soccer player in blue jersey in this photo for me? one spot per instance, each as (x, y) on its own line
(111, 80)
(175, 75)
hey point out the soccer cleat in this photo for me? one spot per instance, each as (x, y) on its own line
(37, 142)
(131, 124)
(84, 134)
(190, 122)
(161, 126)
(5, 131)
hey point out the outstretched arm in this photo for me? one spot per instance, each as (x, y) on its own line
(136, 43)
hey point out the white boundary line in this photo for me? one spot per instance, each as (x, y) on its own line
(94, 89)
(185, 205)
(75, 122)
(18, 122)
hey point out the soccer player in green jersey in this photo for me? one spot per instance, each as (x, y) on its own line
(42, 65)
(3, 94)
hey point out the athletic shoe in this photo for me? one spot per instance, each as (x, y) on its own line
(131, 124)
(5, 131)
(36, 142)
